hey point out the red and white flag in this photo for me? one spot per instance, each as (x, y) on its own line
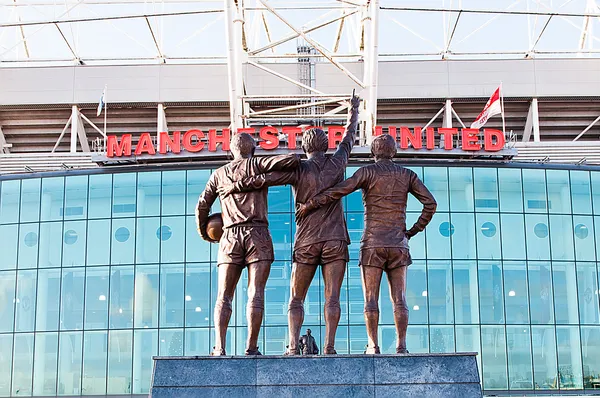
(493, 107)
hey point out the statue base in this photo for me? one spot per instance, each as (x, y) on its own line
(411, 375)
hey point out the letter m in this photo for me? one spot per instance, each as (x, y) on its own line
(114, 148)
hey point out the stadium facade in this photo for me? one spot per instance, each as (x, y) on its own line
(101, 267)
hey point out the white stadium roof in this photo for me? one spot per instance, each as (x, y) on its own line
(115, 32)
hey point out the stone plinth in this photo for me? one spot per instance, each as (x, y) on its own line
(413, 375)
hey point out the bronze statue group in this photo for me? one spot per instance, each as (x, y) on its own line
(321, 233)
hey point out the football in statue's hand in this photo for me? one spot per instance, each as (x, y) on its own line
(214, 227)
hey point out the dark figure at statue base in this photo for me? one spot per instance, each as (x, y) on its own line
(307, 344)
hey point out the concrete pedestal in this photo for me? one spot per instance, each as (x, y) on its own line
(413, 375)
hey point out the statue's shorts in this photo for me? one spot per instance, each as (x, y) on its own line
(243, 245)
(322, 253)
(385, 257)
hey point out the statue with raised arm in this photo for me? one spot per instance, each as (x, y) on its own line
(321, 237)
(384, 244)
(246, 241)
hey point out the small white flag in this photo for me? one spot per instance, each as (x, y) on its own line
(493, 107)
(101, 103)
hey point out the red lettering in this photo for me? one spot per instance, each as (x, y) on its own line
(448, 134)
(145, 145)
(214, 138)
(164, 140)
(469, 140)
(377, 131)
(292, 132)
(270, 138)
(189, 145)
(116, 148)
(335, 134)
(489, 144)
(430, 137)
(415, 139)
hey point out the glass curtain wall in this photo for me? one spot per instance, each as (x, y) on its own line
(100, 272)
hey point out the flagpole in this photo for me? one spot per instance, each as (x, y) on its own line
(106, 114)
(502, 106)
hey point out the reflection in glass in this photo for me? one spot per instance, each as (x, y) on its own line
(74, 243)
(493, 355)
(25, 301)
(171, 295)
(145, 346)
(147, 245)
(8, 246)
(71, 306)
(196, 181)
(569, 360)
(76, 190)
(172, 242)
(69, 363)
(51, 242)
(581, 192)
(417, 338)
(198, 308)
(590, 347)
(148, 194)
(534, 191)
(486, 189)
(538, 243)
(518, 341)
(30, 200)
(100, 196)
(544, 357)
(173, 193)
(44, 364)
(197, 341)
(441, 305)
(437, 237)
(441, 339)
(171, 342)
(98, 247)
(6, 351)
(488, 236)
(8, 303)
(436, 180)
(491, 297)
(95, 350)
(466, 297)
(565, 293)
(584, 238)
(96, 294)
(120, 345)
(540, 292)
(559, 191)
(461, 188)
(416, 293)
(516, 297)
(513, 236)
(52, 198)
(28, 246)
(511, 190)
(587, 289)
(22, 368)
(9, 201)
(48, 300)
(561, 237)
(463, 238)
(123, 241)
(124, 195)
(146, 296)
(121, 297)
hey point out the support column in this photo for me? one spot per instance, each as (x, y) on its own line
(532, 124)
(233, 34)
(371, 43)
(75, 120)
(161, 125)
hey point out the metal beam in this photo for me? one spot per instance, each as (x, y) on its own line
(233, 34)
(161, 124)
(4, 146)
(587, 128)
(532, 123)
(284, 77)
(158, 50)
(371, 61)
(62, 134)
(78, 131)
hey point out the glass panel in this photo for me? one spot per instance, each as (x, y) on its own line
(356, 301)
(48, 299)
(74, 243)
(171, 234)
(28, 245)
(147, 247)
(96, 298)
(491, 297)
(71, 306)
(121, 297)
(358, 339)
(50, 244)
(276, 340)
(9, 201)
(436, 180)
(120, 346)
(416, 293)
(413, 204)
(355, 223)
(44, 364)
(124, 193)
(171, 342)
(99, 240)
(440, 292)
(461, 189)
(488, 236)
(540, 292)
(493, 355)
(280, 199)
(595, 176)
(534, 191)
(544, 358)
(8, 246)
(277, 296)
(6, 352)
(565, 293)
(281, 233)
(486, 189)
(196, 248)
(30, 200)
(590, 346)
(8, 302)
(95, 350)
(173, 193)
(76, 190)
(511, 190)
(463, 238)
(145, 346)
(22, 376)
(518, 341)
(197, 341)
(515, 292)
(417, 242)
(417, 339)
(53, 196)
(584, 238)
(513, 236)
(148, 194)
(581, 192)
(538, 246)
(196, 181)
(100, 193)
(197, 295)
(353, 202)
(441, 339)
(468, 340)
(146, 296)
(561, 237)
(437, 236)
(587, 289)
(123, 241)
(466, 297)
(171, 297)
(559, 191)
(25, 302)
(569, 357)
